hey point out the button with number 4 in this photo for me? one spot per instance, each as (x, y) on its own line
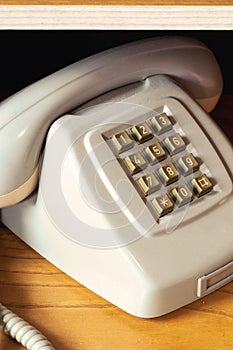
(161, 123)
(135, 162)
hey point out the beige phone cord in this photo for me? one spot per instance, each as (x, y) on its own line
(22, 331)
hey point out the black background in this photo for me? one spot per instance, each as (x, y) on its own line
(27, 55)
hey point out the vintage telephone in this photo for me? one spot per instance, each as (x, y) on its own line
(134, 198)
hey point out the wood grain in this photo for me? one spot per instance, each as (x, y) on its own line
(74, 318)
(119, 2)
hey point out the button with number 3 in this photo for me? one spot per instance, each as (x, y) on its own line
(161, 123)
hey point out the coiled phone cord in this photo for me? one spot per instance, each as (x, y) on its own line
(22, 331)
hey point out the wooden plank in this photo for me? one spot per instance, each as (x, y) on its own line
(119, 2)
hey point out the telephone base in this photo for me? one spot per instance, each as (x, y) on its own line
(136, 277)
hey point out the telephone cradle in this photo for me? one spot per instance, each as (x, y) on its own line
(134, 198)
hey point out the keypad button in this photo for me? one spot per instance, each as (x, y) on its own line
(174, 144)
(181, 195)
(141, 132)
(161, 123)
(168, 173)
(188, 164)
(135, 162)
(202, 185)
(122, 141)
(155, 153)
(148, 184)
(162, 205)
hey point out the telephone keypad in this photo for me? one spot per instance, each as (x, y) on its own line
(157, 158)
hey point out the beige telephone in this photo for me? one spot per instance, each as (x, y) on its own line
(134, 198)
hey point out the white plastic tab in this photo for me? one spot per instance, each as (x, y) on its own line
(214, 280)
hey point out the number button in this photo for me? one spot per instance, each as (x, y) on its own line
(135, 162)
(161, 123)
(174, 144)
(148, 184)
(122, 141)
(141, 132)
(188, 164)
(169, 173)
(182, 195)
(155, 153)
(202, 185)
(162, 205)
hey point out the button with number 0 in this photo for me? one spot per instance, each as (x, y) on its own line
(181, 195)
(162, 205)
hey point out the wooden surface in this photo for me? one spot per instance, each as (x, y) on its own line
(118, 2)
(74, 318)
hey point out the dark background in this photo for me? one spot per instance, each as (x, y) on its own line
(27, 56)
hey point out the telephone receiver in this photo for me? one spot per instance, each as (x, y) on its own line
(113, 171)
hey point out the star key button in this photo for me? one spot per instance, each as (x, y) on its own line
(162, 205)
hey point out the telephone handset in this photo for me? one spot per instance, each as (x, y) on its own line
(135, 183)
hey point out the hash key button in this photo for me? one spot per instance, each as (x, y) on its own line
(202, 185)
(162, 205)
(174, 144)
(161, 123)
(135, 162)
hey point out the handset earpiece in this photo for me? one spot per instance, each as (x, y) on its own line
(26, 116)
